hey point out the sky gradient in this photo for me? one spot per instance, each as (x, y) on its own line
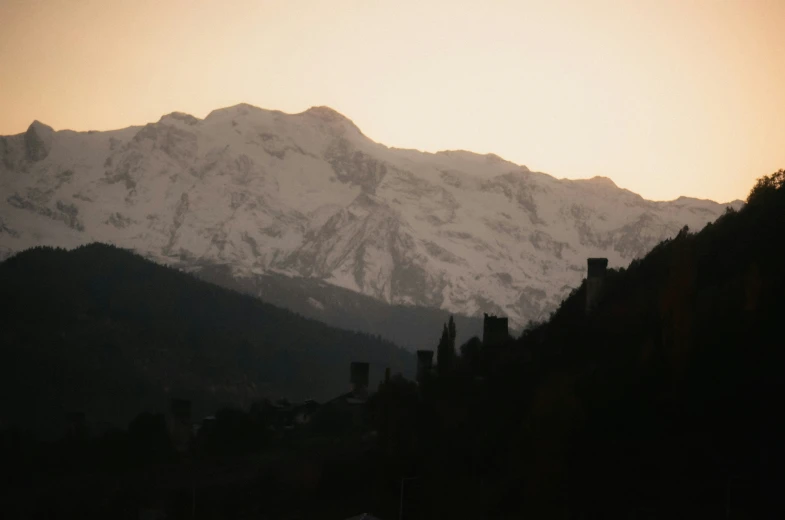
(666, 97)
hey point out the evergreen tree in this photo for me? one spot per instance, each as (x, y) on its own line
(766, 186)
(452, 333)
(443, 358)
(471, 352)
(445, 352)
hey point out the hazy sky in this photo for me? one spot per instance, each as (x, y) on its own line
(666, 97)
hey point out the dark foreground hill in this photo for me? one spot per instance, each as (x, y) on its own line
(664, 401)
(670, 392)
(103, 331)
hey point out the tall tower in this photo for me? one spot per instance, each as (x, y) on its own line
(594, 281)
(494, 331)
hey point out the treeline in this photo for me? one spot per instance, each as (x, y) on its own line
(239, 463)
(663, 402)
(148, 441)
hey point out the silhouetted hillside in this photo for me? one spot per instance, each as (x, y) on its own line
(101, 330)
(675, 381)
(664, 401)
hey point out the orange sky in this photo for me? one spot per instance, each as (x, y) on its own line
(666, 97)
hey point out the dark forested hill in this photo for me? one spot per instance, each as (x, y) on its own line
(670, 391)
(664, 401)
(101, 330)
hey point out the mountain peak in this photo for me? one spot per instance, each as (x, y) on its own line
(307, 195)
(38, 140)
(490, 158)
(39, 125)
(180, 116)
(599, 180)
(241, 109)
(326, 113)
(331, 117)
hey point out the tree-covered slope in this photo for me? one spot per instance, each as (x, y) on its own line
(665, 401)
(671, 389)
(101, 330)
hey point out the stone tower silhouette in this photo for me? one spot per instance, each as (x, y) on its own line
(595, 279)
(494, 330)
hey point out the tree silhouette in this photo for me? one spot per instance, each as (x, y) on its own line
(452, 333)
(766, 186)
(471, 352)
(445, 352)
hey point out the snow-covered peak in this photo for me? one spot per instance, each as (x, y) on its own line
(38, 126)
(239, 110)
(598, 181)
(326, 114)
(490, 159)
(307, 195)
(603, 181)
(334, 120)
(38, 140)
(179, 117)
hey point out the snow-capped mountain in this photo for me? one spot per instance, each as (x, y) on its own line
(308, 195)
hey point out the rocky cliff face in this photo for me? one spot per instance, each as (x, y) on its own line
(309, 196)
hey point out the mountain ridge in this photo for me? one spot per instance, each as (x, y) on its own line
(310, 195)
(317, 108)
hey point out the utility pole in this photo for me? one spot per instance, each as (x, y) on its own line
(403, 481)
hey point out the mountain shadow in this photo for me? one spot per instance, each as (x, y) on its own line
(407, 325)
